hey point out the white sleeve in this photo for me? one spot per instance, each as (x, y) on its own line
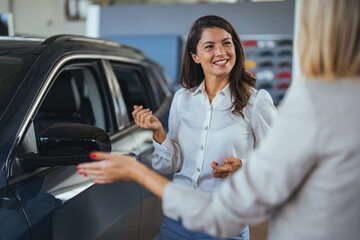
(167, 157)
(273, 173)
(263, 115)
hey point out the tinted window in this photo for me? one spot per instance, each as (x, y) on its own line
(131, 86)
(156, 85)
(73, 98)
(13, 68)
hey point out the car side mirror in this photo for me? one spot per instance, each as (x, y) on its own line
(66, 144)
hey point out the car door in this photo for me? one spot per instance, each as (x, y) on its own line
(13, 223)
(139, 88)
(59, 203)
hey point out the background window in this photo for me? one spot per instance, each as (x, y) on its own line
(131, 86)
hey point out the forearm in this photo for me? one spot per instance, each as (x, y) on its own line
(150, 179)
(159, 135)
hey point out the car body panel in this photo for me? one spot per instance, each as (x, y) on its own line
(56, 202)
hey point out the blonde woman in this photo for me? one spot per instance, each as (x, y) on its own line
(305, 175)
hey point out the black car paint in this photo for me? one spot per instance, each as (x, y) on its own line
(27, 210)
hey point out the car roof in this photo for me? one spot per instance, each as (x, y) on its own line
(19, 44)
(29, 45)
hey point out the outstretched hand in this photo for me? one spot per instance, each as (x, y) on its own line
(231, 164)
(108, 168)
(144, 118)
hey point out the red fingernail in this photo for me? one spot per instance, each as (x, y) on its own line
(80, 172)
(92, 155)
(95, 182)
(85, 175)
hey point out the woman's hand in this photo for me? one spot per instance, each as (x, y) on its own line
(144, 119)
(108, 168)
(231, 164)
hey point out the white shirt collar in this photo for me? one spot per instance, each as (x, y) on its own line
(201, 88)
(226, 90)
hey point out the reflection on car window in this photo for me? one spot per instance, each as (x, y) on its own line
(73, 98)
(131, 86)
(13, 68)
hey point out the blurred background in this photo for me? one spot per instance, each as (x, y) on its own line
(160, 27)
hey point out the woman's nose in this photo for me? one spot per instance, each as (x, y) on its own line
(220, 51)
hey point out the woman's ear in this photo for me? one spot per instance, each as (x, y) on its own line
(195, 58)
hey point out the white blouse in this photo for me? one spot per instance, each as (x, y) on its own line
(200, 133)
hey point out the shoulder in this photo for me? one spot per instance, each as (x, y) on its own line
(299, 93)
(182, 95)
(263, 108)
(260, 99)
(182, 92)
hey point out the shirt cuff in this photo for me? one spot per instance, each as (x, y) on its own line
(163, 149)
(243, 161)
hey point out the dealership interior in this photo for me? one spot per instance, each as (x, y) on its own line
(159, 28)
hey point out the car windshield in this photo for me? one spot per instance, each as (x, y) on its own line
(13, 68)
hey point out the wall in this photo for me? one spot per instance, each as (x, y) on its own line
(135, 23)
(41, 18)
(175, 19)
(4, 6)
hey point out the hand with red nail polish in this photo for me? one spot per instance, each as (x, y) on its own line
(107, 168)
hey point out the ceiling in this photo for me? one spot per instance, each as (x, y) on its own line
(129, 2)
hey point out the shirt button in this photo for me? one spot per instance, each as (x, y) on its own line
(202, 147)
(206, 128)
(198, 169)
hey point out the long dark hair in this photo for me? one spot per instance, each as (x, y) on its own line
(192, 74)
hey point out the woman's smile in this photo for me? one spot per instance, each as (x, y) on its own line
(221, 62)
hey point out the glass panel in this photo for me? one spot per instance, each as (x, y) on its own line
(156, 84)
(13, 69)
(131, 88)
(73, 98)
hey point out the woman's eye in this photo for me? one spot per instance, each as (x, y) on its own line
(227, 43)
(208, 46)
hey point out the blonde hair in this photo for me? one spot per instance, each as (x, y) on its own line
(329, 38)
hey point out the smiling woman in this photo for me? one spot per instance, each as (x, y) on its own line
(301, 176)
(215, 120)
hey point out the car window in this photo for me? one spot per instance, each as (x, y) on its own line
(13, 68)
(156, 85)
(74, 97)
(132, 87)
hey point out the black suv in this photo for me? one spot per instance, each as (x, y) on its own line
(61, 98)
